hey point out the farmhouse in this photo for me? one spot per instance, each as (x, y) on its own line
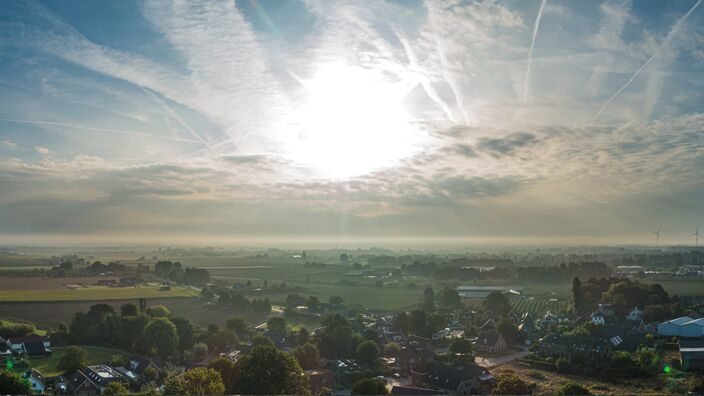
(93, 379)
(35, 379)
(466, 380)
(490, 340)
(32, 345)
(682, 327)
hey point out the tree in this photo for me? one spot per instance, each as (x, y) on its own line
(239, 326)
(449, 298)
(497, 303)
(115, 388)
(369, 386)
(223, 339)
(128, 309)
(573, 388)
(302, 336)
(277, 325)
(461, 346)
(336, 300)
(262, 340)
(391, 349)
(428, 302)
(578, 301)
(419, 323)
(268, 370)
(200, 351)
(367, 352)
(158, 311)
(510, 384)
(508, 330)
(307, 356)
(161, 337)
(149, 374)
(402, 322)
(226, 368)
(13, 384)
(198, 381)
(74, 358)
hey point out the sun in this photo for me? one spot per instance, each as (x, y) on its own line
(352, 122)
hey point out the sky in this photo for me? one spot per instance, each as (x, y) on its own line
(477, 122)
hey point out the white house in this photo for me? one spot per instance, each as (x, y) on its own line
(598, 319)
(35, 379)
(634, 314)
(673, 328)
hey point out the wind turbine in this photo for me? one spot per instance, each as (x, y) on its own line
(657, 237)
(696, 236)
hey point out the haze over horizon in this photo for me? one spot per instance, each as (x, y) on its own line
(481, 122)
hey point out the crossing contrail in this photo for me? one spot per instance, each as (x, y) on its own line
(669, 37)
(530, 51)
(174, 114)
(100, 130)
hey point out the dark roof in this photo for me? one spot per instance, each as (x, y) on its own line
(29, 338)
(489, 324)
(409, 390)
(140, 364)
(34, 374)
(79, 380)
(35, 348)
(450, 378)
(488, 337)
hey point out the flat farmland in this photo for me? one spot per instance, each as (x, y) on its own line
(92, 293)
(39, 283)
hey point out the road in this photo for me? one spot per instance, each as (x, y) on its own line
(493, 361)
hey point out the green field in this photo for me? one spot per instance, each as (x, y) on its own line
(94, 293)
(536, 306)
(8, 322)
(96, 355)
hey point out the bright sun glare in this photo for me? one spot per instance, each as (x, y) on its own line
(352, 123)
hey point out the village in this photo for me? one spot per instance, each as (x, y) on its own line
(440, 347)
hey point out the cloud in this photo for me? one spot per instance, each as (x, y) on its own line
(9, 143)
(504, 146)
(41, 150)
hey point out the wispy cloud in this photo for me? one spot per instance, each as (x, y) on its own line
(536, 26)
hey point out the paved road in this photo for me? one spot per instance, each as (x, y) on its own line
(494, 361)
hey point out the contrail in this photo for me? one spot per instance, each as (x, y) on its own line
(532, 45)
(174, 114)
(102, 130)
(425, 83)
(669, 37)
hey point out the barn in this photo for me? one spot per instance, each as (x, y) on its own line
(693, 328)
(673, 328)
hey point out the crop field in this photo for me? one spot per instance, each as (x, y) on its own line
(41, 283)
(94, 293)
(536, 306)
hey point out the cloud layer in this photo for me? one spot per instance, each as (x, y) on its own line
(582, 124)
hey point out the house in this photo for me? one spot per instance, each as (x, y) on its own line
(80, 384)
(448, 333)
(60, 384)
(319, 380)
(35, 379)
(416, 351)
(527, 324)
(32, 345)
(490, 340)
(692, 355)
(464, 380)
(598, 319)
(684, 326)
(549, 320)
(634, 314)
(607, 310)
(591, 348)
(5, 351)
(93, 379)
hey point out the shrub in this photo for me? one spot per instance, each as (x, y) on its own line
(572, 388)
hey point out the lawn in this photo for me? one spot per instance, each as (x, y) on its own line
(8, 322)
(96, 355)
(94, 293)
